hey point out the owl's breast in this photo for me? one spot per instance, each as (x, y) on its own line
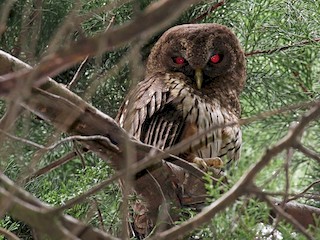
(203, 114)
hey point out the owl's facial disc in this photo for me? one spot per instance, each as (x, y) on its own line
(208, 55)
(196, 72)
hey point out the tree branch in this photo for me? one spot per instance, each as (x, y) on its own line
(9, 235)
(22, 205)
(282, 48)
(304, 191)
(155, 17)
(240, 188)
(205, 14)
(308, 152)
(69, 113)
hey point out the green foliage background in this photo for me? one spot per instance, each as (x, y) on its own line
(274, 80)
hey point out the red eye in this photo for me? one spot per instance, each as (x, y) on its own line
(215, 58)
(179, 60)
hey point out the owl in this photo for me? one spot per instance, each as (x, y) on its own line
(194, 75)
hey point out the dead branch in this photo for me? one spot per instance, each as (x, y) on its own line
(205, 14)
(308, 152)
(22, 205)
(70, 113)
(80, 69)
(77, 75)
(9, 235)
(306, 215)
(283, 48)
(69, 156)
(155, 17)
(304, 191)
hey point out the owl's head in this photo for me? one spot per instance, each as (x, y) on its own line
(208, 54)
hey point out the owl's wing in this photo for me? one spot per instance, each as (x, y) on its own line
(148, 114)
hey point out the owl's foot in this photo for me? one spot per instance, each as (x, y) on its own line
(206, 163)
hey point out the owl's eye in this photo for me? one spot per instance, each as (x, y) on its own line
(216, 58)
(179, 60)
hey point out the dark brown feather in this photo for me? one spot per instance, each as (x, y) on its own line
(148, 114)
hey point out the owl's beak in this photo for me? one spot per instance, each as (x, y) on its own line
(199, 77)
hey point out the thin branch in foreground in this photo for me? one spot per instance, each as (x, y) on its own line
(155, 17)
(36, 214)
(240, 187)
(291, 195)
(88, 193)
(308, 152)
(205, 14)
(5, 11)
(76, 76)
(186, 143)
(287, 163)
(304, 191)
(67, 139)
(9, 235)
(96, 204)
(69, 156)
(282, 48)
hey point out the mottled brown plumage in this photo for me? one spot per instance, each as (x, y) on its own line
(194, 76)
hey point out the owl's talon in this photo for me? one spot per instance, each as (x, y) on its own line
(200, 163)
(206, 163)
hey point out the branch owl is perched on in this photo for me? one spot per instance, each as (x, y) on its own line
(194, 76)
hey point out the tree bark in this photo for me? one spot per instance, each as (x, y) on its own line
(160, 183)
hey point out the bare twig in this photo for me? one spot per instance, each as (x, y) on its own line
(9, 235)
(96, 204)
(287, 175)
(76, 76)
(155, 17)
(245, 181)
(308, 152)
(67, 139)
(38, 215)
(290, 195)
(90, 192)
(79, 152)
(10, 116)
(304, 191)
(69, 156)
(35, 28)
(205, 14)
(69, 24)
(283, 48)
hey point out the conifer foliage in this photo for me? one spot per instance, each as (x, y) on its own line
(62, 155)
